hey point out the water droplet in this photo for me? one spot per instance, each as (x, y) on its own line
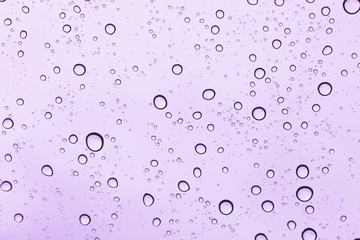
(66, 28)
(8, 123)
(84, 219)
(351, 6)
(208, 94)
(302, 171)
(82, 159)
(160, 102)
(316, 107)
(259, 113)
(252, 2)
(148, 199)
(309, 209)
(276, 44)
(154, 163)
(309, 234)
(110, 28)
(156, 222)
(270, 173)
(238, 106)
(215, 29)
(94, 141)
(18, 217)
(197, 115)
(183, 186)
(291, 225)
(79, 69)
(259, 73)
(267, 206)
(304, 193)
(197, 172)
(325, 11)
(47, 170)
(327, 50)
(8, 157)
(112, 182)
(226, 207)
(73, 138)
(177, 69)
(6, 186)
(200, 148)
(256, 190)
(220, 14)
(343, 218)
(261, 236)
(287, 126)
(279, 3)
(324, 89)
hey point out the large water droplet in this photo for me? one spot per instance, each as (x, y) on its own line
(304, 193)
(6, 186)
(226, 207)
(302, 171)
(183, 186)
(8, 123)
(18, 217)
(47, 170)
(79, 69)
(160, 102)
(110, 28)
(259, 113)
(94, 141)
(200, 148)
(309, 234)
(148, 199)
(84, 219)
(324, 88)
(112, 182)
(351, 6)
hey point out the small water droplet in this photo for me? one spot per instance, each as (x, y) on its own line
(267, 206)
(6, 186)
(177, 69)
(197, 172)
(18, 217)
(327, 50)
(148, 199)
(208, 94)
(84, 219)
(94, 141)
(183, 186)
(259, 73)
(261, 236)
(47, 170)
(259, 113)
(79, 69)
(112, 182)
(304, 193)
(8, 123)
(156, 222)
(324, 89)
(291, 225)
(200, 148)
(302, 171)
(309, 234)
(160, 102)
(110, 28)
(226, 207)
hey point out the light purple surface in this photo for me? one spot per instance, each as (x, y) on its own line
(148, 78)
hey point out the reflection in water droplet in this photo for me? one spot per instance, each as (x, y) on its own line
(156, 222)
(324, 88)
(309, 234)
(148, 199)
(112, 182)
(160, 102)
(351, 6)
(177, 69)
(47, 170)
(8, 123)
(267, 206)
(226, 207)
(200, 148)
(304, 193)
(259, 113)
(261, 236)
(197, 172)
(302, 171)
(6, 186)
(94, 141)
(291, 225)
(84, 219)
(110, 28)
(79, 69)
(208, 94)
(183, 186)
(18, 217)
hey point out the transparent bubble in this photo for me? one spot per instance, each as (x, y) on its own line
(252, 57)
(327, 50)
(351, 6)
(309, 209)
(47, 170)
(215, 29)
(324, 89)
(259, 73)
(154, 163)
(197, 172)
(255, 190)
(267, 206)
(148, 199)
(156, 222)
(82, 159)
(197, 115)
(304, 125)
(259, 113)
(238, 106)
(23, 34)
(79, 69)
(84, 219)
(200, 148)
(112, 182)
(8, 157)
(316, 107)
(309, 234)
(220, 14)
(291, 225)
(177, 69)
(276, 44)
(18, 217)
(110, 28)
(304, 193)
(343, 218)
(183, 186)
(58, 100)
(287, 126)
(261, 236)
(25, 9)
(208, 94)
(6, 186)
(77, 9)
(279, 3)
(94, 141)
(73, 138)
(325, 11)
(325, 170)
(270, 173)
(8, 123)
(302, 171)
(160, 102)
(66, 28)
(226, 207)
